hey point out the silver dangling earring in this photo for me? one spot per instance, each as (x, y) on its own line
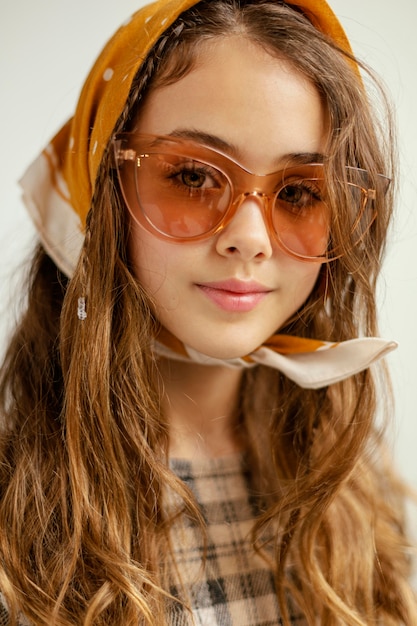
(81, 302)
(81, 312)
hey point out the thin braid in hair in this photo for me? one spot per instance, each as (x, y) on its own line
(163, 48)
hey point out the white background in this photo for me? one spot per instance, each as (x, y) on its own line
(47, 47)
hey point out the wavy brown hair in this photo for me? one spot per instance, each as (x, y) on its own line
(84, 441)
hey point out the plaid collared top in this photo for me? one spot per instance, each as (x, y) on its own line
(236, 586)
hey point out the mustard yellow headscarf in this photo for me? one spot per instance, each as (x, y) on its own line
(59, 185)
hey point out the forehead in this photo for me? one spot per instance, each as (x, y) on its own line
(248, 98)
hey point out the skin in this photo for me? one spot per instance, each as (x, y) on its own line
(260, 110)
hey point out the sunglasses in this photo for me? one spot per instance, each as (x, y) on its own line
(183, 191)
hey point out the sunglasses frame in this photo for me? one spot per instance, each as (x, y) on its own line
(129, 150)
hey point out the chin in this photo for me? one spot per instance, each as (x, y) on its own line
(225, 352)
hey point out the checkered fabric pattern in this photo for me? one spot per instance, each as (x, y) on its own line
(4, 618)
(236, 587)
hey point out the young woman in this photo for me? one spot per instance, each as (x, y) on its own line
(188, 406)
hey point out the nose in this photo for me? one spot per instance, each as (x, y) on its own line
(246, 235)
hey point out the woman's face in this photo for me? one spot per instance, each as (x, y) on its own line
(225, 295)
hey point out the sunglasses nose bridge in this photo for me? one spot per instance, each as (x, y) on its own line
(260, 197)
(260, 187)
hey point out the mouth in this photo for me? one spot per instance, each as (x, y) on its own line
(234, 295)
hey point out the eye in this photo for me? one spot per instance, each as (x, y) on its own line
(194, 178)
(291, 193)
(300, 196)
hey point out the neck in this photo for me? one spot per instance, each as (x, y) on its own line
(201, 405)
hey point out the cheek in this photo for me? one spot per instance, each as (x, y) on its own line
(148, 260)
(157, 267)
(303, 281)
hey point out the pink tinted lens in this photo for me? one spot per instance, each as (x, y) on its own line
(301, 214)
(179, 196)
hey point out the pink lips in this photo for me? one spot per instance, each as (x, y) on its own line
(234, 295)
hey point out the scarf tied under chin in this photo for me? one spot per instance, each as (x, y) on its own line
(310, 363)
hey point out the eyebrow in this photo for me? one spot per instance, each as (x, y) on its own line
(213, 141)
